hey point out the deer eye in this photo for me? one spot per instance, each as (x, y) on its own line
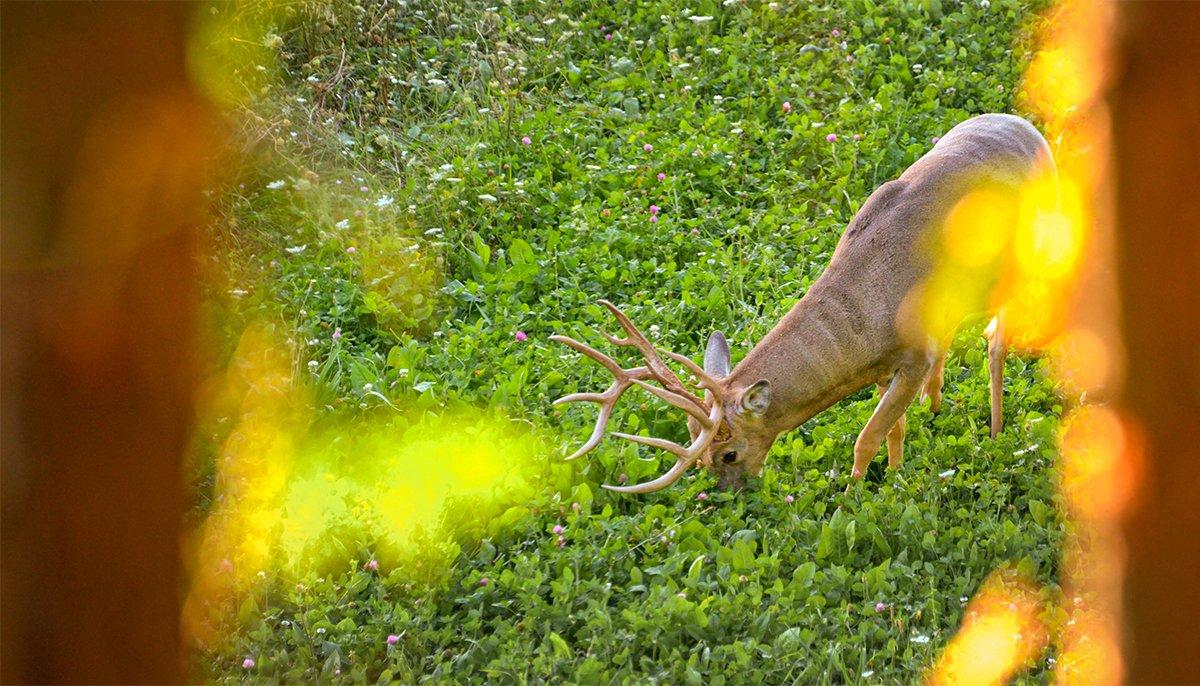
(729, 457)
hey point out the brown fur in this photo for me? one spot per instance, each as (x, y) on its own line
(844, 334)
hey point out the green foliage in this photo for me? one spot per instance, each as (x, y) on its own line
(391, 199)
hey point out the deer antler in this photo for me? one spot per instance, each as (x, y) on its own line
(707, 411)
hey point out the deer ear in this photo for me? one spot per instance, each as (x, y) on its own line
(757, 398)
(716, 355)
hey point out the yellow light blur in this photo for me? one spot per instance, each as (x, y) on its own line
(296, 500)
(1082, 361)
(1099, 462)
(978, 227)
(1002, 632)
(1044, 261)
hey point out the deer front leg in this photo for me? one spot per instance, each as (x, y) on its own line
(997, 351)
(899, 395)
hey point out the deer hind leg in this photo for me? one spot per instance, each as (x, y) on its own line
(997, 351)
(933, 385)
(886, 421)
(895, 435)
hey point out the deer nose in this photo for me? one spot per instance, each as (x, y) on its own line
(731, 481)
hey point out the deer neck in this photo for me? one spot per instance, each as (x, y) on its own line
(812, 359)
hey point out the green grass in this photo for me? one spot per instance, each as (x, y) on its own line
(397, 133)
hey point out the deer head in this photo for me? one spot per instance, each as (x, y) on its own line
(727, 423)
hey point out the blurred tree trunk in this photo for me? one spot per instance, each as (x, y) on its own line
(104, 144)
(1156, 140)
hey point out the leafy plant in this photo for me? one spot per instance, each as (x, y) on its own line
(433, 189)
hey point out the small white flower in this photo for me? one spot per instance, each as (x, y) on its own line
(344, 224)
(700, 19)
(239, 292)
(313, 364)
(946, 474)
(984, 4)
(488, 197)
(920, 638)
(385, 201)
(296, 249)
(276, 185)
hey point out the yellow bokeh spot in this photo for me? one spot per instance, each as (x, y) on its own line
(1002, 633)
(978, 227)
(300, 499)
(1100, 462)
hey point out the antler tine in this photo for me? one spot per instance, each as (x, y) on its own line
(637, 339)
(686, 456)
(708, 411)
(607, 362)
(606, 408)
(608, 399)
(676, 400)
(706, 380)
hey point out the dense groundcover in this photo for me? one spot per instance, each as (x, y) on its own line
(426, 191)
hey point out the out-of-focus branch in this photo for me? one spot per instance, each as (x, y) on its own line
(104, 152)
(1156, 143)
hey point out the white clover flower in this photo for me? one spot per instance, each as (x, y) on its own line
(488, 197)
(296, 249)
(344, 224)
(276, 185)
(700, 19)
(385, 201)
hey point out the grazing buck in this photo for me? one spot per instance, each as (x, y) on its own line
(846, 333)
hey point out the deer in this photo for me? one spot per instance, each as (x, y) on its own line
(846, 333)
